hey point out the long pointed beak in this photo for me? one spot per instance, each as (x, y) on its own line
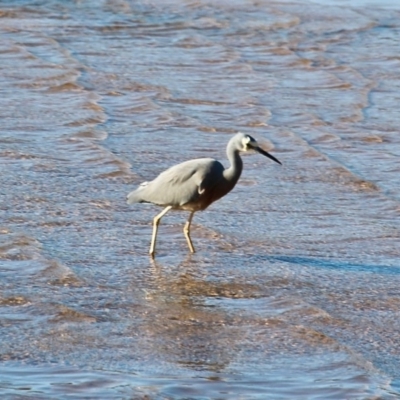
(264, 153)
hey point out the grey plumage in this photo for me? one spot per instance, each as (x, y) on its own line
(195, 184)
(179, 185)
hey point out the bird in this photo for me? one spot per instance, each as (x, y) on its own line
(195, 184)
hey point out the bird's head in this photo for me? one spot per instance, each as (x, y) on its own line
(248, 143)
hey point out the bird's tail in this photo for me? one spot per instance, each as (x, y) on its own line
(135, 195)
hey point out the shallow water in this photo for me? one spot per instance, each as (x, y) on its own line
(294, 289)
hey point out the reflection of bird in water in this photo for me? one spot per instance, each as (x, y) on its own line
(195, 184)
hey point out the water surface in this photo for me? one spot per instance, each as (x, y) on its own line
(294, 289)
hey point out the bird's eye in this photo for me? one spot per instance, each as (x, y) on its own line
(250, 141)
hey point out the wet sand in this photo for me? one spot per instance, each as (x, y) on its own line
(294, 291)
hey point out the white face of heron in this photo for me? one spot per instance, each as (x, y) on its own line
(249, 143)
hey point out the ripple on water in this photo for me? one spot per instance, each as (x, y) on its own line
(50, 381)
(294, 291)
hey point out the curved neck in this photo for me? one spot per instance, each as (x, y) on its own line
(232, 174)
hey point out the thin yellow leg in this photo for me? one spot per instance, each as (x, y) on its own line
(186, 232)
(156, 222)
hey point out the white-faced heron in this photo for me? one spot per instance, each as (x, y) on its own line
(195, 184)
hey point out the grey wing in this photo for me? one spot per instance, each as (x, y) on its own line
(182, 183)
